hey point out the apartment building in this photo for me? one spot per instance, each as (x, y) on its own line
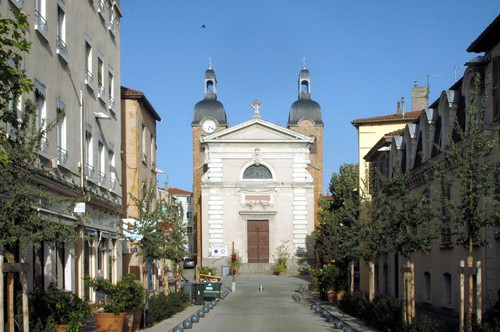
(185, 198)
(413, 149)
(74, 63)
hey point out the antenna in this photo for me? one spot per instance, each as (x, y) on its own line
(428, 84)
(304, 63)
(209, 63)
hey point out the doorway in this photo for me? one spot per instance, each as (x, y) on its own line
(258, 241)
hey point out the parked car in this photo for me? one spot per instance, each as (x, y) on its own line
(189, 263)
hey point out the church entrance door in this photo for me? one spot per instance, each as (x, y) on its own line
(258, 241)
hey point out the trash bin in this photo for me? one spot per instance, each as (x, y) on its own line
(225, 271)
(211, 291)
(199, 289)
(187, 288)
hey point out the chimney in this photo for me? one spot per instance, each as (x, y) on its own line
(398, 109)
(419, 97)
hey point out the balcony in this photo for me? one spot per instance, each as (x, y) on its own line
(62, 49)
(112, 184)
(100, 91)
(111, 105)
(18, 3)
(41, 24)
(89, 79)
(89, 172)
(44, 145)
(62, 156)
(101, 8)
(101, 178)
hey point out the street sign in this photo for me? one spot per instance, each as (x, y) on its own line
(79, 208)
(219, 250)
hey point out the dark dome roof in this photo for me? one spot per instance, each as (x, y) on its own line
(305, 109)
(209, 108)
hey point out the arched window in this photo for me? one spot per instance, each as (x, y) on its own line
(257, 172)
(427, 287)
(446, 297)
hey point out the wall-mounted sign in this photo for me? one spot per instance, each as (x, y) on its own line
(79, 208)
(219, 250)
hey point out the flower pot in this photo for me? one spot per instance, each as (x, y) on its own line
(282, 273)
(61, 328)
(132, 320)
(331, 295)
(109, 322)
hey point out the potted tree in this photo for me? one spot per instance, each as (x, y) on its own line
(333, 283)
(58, 309)
(126, 295)
(281, 256)
(236, 263)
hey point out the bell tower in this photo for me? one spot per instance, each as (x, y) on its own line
(209, 117)
(305, 118)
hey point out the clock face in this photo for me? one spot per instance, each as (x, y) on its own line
(209, 126)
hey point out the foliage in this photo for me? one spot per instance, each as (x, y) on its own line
(281, 256)
(56, 307)
(125, 295)
(163, 306)
(237, 263)
(159, 225)
(405, 216)
(466, 170)
(208, 270)
(20, 195)
(337, 237)
(332, 277)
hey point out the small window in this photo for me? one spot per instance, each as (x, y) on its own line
(257, 172)
(446, 291)
(189, 230)
(189, 215)
(427, 287)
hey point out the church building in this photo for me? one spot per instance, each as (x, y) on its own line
(256, 184)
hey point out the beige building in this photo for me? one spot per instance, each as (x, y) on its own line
(138, 147)
(74, 63)
(185, 198)
(256, 183)
(412, 149)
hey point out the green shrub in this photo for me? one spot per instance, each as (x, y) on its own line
(208, 270)
(163, 306)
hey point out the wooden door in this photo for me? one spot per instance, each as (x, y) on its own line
(258, 241)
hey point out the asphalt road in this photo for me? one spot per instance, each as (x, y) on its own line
(273, 309)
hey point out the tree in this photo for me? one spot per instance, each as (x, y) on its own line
(162, 234)
(337, 237)
(469, 176)
(20, 194)
(403, 218)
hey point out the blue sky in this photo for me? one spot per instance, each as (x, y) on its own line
(363, 57)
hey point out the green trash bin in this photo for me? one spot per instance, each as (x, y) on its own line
(198, 294)
(211, 291)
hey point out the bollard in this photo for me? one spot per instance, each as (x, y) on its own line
(201, 313)
(261, 288)
(187, 324)
(195, 319)
(338, 325)
(177, 329)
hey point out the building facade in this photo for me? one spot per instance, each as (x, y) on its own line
(414, 150)
(138, 150)
(74, 63)
(255, 184)
(185, 198)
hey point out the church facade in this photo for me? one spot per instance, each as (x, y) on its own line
(256, 184)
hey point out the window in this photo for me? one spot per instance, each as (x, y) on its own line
(89, 168)
(152, 149)
(189, 230)
(62, 154)
(496, 88)
(446, 291)
(40, 15)
(427, 287)
(257, 172)
(100, 163)
(189, 199)
(100, 75)
(60, 265)
(189, 215)
(111, 90)
(41, 108)
(61, 47)
(112, 169)
(88, 61)
(144, 157)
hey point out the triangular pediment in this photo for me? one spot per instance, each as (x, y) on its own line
(257, 130)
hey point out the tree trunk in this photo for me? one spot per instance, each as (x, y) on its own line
(371, 282)
(470, 297)
(26, 317)
(10, 301)
(351, 277)
(479, 299)
(462, 296)
(2, 308)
